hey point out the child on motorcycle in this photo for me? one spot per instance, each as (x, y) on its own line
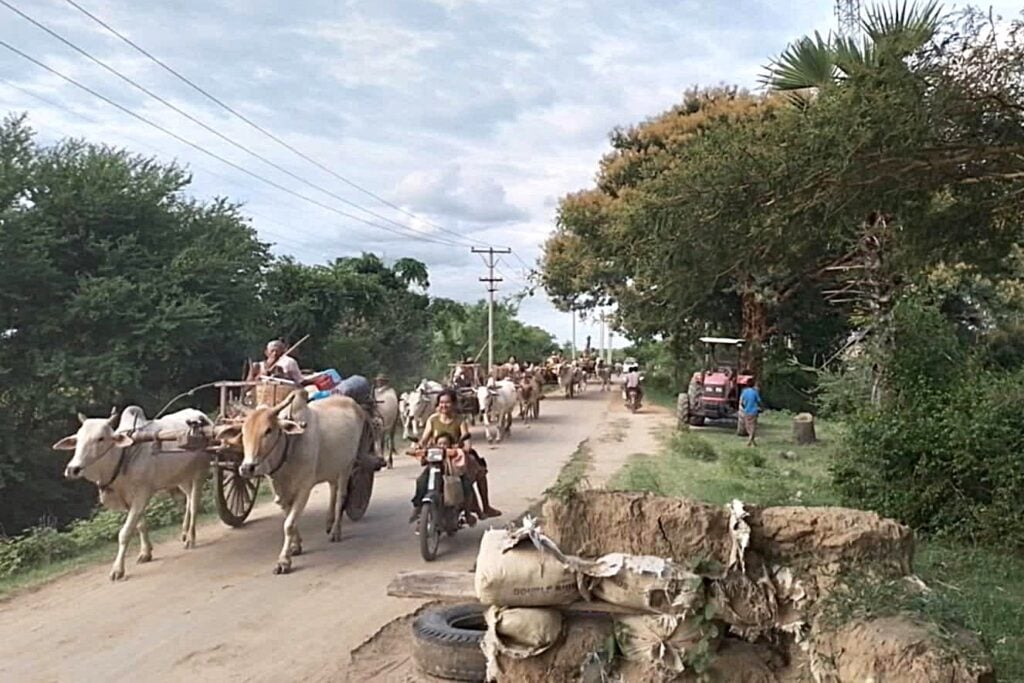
(446, 424)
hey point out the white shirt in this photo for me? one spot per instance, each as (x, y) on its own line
(287, 367)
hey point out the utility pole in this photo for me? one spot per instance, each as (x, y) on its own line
(573, 313)
(492, 287)
(608, 319)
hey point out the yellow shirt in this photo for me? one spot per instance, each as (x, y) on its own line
(453, 430)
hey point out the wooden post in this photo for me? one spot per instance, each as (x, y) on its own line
(803, 429)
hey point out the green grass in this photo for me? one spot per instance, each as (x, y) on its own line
(573, 473)
(715, 465)
(981, 588)
(986, 588)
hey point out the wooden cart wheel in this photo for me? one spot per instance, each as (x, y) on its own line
(236, 495)
(360, 488)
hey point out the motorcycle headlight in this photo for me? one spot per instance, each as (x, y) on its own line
(435, 455)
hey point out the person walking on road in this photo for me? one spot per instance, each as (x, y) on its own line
(750, 407)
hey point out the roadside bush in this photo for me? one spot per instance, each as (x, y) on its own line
(44, 545)
(941, 452)
(947, 462)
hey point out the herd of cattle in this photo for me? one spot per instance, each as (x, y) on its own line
(296, 444)
(495, 399)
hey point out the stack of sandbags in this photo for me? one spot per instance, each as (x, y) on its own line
(523, 578)
(765, 567)
(765, 573)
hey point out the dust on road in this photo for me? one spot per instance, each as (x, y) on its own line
(217, 613)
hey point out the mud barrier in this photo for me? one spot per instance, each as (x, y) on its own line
(763, 596)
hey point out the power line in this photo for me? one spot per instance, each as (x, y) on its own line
(259, 128)
(214, 155)
(207, 127)
(528, 267)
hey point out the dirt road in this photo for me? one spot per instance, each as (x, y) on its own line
(217, 613)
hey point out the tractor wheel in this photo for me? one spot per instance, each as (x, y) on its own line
(682, 411)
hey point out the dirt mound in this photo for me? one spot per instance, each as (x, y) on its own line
(771, 594)
(899, 649)
(387, 655)
(594, 523)
(801, 537)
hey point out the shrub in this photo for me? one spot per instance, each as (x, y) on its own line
(44, 545)
(941, 452)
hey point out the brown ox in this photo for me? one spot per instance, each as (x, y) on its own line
(298, 449)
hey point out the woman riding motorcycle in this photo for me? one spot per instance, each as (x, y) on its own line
(445, 422)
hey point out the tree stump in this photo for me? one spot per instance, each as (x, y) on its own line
(803, 429)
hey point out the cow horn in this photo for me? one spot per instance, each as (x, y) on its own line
(81, 418)
(113, 419)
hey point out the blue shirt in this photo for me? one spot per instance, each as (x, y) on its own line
(750, 401)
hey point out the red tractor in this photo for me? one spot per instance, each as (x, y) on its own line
(714, 393)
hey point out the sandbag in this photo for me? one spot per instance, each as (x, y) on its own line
(663, 641)
(521, 576)
(526, 628)
(746, 600)
(645, 583)
(518, 633)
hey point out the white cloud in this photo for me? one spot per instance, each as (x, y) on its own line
(475, 114)
(451, 193)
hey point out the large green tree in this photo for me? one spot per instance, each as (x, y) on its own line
(742, 214)
(363, 316)
(116, 288)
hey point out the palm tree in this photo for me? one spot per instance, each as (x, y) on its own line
(891, 33)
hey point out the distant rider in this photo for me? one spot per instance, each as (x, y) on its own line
(632, 381)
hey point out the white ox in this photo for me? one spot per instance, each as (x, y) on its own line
(419, 404)
(497, 401)
(308, 445)
(566, 379)
(129, 473)
(387, 409)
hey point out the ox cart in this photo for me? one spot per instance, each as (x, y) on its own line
(234, 494)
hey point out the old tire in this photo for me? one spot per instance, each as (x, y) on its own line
(447, 642)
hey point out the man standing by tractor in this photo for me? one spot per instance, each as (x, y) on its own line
(750, 407)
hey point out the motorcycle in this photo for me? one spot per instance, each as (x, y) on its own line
(633, 400)
(442, 510)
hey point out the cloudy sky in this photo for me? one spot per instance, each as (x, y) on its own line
(468, 118)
